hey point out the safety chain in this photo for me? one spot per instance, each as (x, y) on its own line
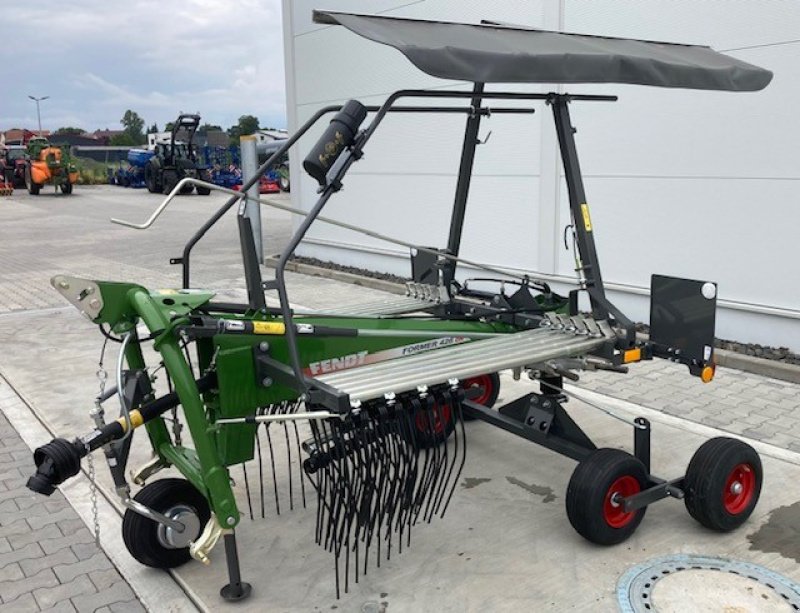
(93, 495)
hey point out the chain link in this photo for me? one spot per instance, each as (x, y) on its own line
(93, 495)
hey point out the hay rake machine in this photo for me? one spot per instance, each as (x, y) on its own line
(381, 391)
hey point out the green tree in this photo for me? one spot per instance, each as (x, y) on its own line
(168, 126)
(123, 140)
(207, 127)
(152, 129)
(248, 124)
(133, 125)
(70, 130)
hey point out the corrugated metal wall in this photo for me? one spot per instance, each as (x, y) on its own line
(696, 184)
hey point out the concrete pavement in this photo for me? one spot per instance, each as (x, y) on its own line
(505, 543)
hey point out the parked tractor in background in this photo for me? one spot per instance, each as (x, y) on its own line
(48, 165)
(177, 160)
(12, 165)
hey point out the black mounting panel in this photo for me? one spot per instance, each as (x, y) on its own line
(682, 319)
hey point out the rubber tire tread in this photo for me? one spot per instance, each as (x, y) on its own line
(140, 533)
(151, 179)
(587, 490)
(170, 180)
(496, 392)
(705, 479)
(33, 188)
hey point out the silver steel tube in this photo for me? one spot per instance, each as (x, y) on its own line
(458, 362)
(286, 417)
(467, 351)
(427, 374)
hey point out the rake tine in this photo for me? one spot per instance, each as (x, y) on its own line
(274, 476)
(247, 489)
(260, 471)
(289, 464)
(300, 464)
(463, 459)
(448, 402)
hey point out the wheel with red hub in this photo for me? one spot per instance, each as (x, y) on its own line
(482, 389)
(723, 483)
(433, 425)
(595, 493)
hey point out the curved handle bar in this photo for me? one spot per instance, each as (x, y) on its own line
(175, 191)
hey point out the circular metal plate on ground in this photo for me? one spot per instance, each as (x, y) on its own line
(682, 582)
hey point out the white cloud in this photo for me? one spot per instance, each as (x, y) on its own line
(222, 59)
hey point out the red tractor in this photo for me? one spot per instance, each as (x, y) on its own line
(12, 165)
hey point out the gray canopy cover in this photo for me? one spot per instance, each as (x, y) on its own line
(516, 54)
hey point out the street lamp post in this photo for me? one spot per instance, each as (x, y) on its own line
(38, 114)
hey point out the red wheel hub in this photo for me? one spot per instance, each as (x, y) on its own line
(441, 416)
(484, 382)
(613, 511)
(740, 486)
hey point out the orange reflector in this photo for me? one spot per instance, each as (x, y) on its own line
(707, 374)
(632, 355)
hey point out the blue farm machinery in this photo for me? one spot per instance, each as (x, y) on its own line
(133, 174)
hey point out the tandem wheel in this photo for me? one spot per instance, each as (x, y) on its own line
(593, 494)
(489, 386)
(156, 545)
(442, 416)
(723, 483)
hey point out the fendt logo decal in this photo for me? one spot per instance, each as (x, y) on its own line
(347, 361)
(364, 357)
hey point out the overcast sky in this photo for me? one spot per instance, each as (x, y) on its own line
(95, 59)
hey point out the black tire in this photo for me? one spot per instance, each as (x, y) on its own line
(33, 188)
(590, 506)
(187, 189)
(144, 538)
(170, 178)
(151, 179)
(490, 389)
(283, 179)
(204, 175)
(716, 468)
(66, 188)
(433, 426)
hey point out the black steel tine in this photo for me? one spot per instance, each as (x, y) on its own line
(448, 402)
(430, 434)
(247, 489)
(300, 464)
(260, 470)
(463, 459)
(289, 464)
(274, 476)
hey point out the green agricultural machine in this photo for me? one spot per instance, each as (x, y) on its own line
(46, 164)
(371, 400)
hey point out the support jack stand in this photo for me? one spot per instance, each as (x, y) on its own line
(236, 589)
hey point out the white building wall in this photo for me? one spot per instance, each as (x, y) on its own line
(681, 182)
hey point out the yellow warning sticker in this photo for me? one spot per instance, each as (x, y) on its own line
(587, 221)
(268, 327)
